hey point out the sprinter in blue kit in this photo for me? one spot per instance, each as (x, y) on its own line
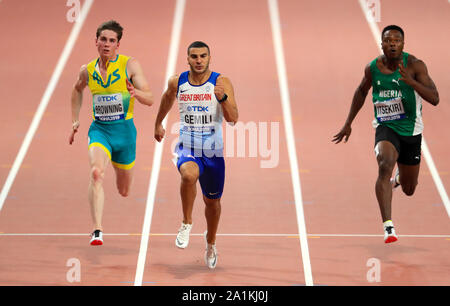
(204, 99)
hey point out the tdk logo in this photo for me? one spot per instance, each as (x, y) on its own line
(197, 108)
(107, 98)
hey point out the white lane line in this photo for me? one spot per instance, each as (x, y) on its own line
(285, 101)
(45, 100)
(435, 174)
(222, 235)
(171, 64)
(426, 152)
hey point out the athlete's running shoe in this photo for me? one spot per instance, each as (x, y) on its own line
(395, 181)
(210, 253)
(389, 232)
(96, 237)
(182, 239)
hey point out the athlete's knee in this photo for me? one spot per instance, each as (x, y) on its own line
(124, 179)
(97, 174)
(124, 191)
(385, 165)
(189, 177)
(212, 203)
(123, 182)
(409, 189)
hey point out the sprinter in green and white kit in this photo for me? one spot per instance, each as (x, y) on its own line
(396, 104)
(400, 82)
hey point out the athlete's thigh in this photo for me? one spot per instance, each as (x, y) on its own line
(98, 157)
(409, 161)
(99, 147)
(123, 139)
(387, 145)
(124, 177)
(411, 150)
(386, 152)
(409, 174)
(189, 169)
(212, 180)
(188, 165)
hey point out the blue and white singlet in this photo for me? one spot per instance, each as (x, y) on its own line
(200, 115)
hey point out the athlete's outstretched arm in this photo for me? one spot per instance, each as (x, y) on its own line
(138, 87)
(167, 100)
(422, 83)
(358, 101)
(229, 106)
(76, 100)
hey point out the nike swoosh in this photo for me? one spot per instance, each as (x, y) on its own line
(213, 263)
(180, 244)
(181, 91)
(213, 193)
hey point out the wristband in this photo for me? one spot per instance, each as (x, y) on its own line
(223, 98)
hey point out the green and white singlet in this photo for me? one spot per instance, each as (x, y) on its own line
(396, 104)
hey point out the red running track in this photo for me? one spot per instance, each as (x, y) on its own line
(326, 46)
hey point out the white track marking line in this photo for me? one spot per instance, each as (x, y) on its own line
(222, 235)
(436, 177)
(285, 101)
(426, 152)
(45, 100)
(171, 64)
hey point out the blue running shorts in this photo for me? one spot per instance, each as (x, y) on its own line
(212, 170)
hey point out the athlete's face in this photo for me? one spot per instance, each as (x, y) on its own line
(198, 59)
(107, 43)
(392, 44)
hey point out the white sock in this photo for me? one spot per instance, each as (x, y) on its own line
(388, 223)
(397, 179)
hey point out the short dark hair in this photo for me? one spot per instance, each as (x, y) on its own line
(197, 44)
(392, 27)
(111, 25)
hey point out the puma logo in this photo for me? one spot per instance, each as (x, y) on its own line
(396, 81)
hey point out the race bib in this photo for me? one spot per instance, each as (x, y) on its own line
(198, 118)
(390, 110)
(108, 107)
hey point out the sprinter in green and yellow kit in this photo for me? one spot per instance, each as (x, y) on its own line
(116, 81)
(400, 82)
